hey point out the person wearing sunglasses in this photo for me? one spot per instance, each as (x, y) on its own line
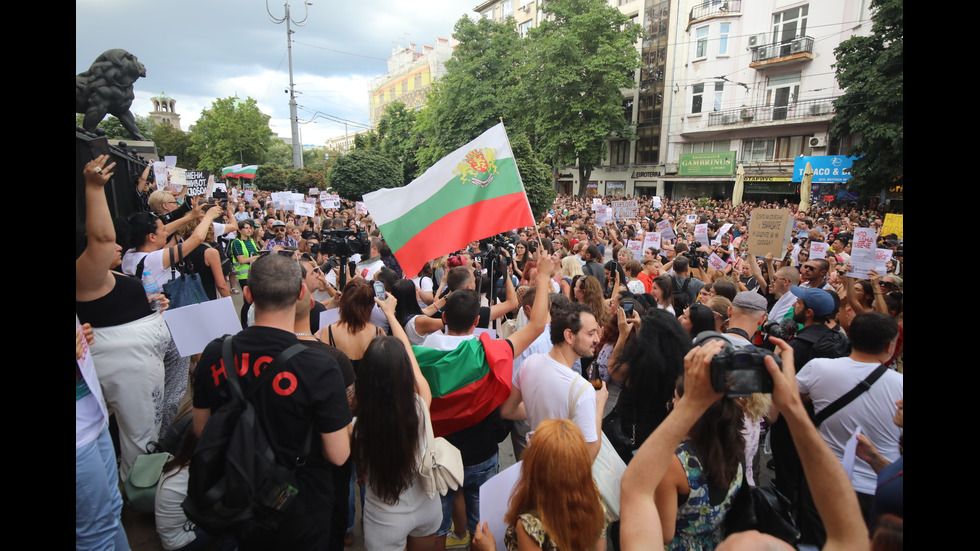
(280, 239)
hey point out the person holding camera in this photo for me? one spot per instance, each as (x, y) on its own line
(746, 314)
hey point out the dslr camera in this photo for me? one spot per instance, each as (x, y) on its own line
(738, 371)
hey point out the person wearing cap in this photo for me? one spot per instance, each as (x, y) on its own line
(279, 238)
(746, 314)
(813, 308)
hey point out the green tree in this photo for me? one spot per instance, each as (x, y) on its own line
(173, 141)
(579, 59)
(232, 131)
(398, 139)
(280, 154)
(270, 178)
(870, 70)
(302, 179)
(363, 171)
(535, 174)
(480, 87)
(114, 129)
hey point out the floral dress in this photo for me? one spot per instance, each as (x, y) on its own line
(535, 528)
(698, 522)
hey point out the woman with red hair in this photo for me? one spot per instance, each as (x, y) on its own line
(555, 504)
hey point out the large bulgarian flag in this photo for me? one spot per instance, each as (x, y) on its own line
(467, 383)
(472, 193)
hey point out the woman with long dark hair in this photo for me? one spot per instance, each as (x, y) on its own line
(388, 442)
(705, 478)
(410, 316)
(663, 291)
(697, 318)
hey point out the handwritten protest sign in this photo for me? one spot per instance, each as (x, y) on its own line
(596, 207)
(818, 250)
(304, 209)
(636, 247)
(330, 200)
(863, 252)
(656, 202)
(360, 207)
(596, 201)
(314, 191)
(893, 224)
(197, 182)
(601, 217)
(716, 262)
(666, 231)
(248, 194)
(651, 240)
(722, 231)
(769, 232)
(692, 218)
(160, 174)
(625, 209)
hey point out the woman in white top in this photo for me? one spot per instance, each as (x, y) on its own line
(663, 291)
(415, 320)
(148, 243)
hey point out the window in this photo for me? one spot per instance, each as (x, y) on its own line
(628, 110)
(723, 41)
(790, 147)
(524, 27)
(758, 149)
(405, 86)
(507, 9)
(418, 81)
(701, 45)
(707, 147)
(782, 91)
(619, 152)
(719, 90)
(787, 25)
(698, 92)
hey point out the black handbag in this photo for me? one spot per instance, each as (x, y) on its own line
(624, 444)
(763, 509)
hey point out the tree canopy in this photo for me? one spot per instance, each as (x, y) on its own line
(579, 58)
(114, 129)
(271, 178)
(397, 138)
(232, 131)
(363, 171)
(870, 70)
(173, 141)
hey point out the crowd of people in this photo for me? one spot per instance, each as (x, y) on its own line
(553, 307)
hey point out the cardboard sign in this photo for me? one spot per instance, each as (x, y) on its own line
(863, 252)
(818, 250)
(769, 232)
(666, 231)
(893, 224)
(625, 209)
(310, 200)
(197, 182)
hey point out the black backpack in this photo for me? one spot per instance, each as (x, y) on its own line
(828, 344)
(682, 295)
(236, 484)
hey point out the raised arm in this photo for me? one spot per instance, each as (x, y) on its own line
(510, 298)
(92, 267)
(421, 385)
(196, 238)
(526, 335)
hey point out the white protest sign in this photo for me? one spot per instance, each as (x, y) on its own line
(194, 326)
(360, 207)
(248, 195)
(314, 191)
(494, 500)
(701, 233)
(625, 209)
(304, 209)
(692, 218)
(160, 174)
(170, 160)
(636, 247)
(310, 200)
(818, 250)
(768, 232)
(596, 201)
(601, 218)
(178, 177)
(596, 207)
(656, 202)
(665, 230)
(651, 240)
(722, 231)
(882, 256)
(862, 253)
(716, 262)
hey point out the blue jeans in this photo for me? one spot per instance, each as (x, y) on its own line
(97, 500)
(473, 477)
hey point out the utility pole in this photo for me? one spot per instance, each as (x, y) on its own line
(293, 120)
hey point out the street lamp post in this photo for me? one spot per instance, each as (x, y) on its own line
(293, 121)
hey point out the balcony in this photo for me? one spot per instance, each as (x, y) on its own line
(714, 8)
(808, 109)
(798, 50)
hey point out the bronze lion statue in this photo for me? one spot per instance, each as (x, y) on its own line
(107, 87)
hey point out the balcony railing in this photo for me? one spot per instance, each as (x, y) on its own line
(715, 7)
(767, 113)
(798, 45)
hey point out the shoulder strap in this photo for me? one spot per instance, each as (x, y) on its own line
(573, 396)
(330, 334)
(858, 390)
(139, 267)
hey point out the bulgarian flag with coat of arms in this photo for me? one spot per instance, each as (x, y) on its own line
(472, 193)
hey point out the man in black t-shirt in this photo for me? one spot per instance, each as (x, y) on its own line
(306, 394)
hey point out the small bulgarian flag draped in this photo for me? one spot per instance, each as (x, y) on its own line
(467, 383)
(472, 193)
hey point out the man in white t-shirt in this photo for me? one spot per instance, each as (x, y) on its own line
(873, 338)
(546, 385)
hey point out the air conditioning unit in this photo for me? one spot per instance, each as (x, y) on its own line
(757, 40)
(797, 46)
(819, 109)
(747, 114)
(526, 8)
(670, 168)
(729, 118)
(818, 142)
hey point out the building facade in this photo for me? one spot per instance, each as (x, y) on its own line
(410, 76)
(164, 110)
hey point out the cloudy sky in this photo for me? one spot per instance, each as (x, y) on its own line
(200, 50)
